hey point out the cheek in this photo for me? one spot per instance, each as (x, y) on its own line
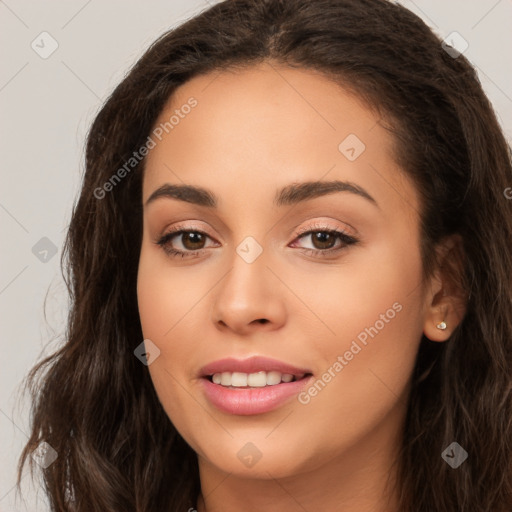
(167, 296)
(168, 301)
(365, 380)
(373, 294)
(375, 313)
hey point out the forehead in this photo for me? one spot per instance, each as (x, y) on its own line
(264, 126)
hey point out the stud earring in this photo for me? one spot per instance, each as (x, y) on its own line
(441, 325)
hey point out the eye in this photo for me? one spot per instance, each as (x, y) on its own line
(191, 240)
(324, 240)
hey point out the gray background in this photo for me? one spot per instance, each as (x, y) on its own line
(47, 106)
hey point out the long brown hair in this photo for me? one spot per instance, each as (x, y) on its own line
(94, 402)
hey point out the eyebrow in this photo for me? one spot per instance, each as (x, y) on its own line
(288, 195)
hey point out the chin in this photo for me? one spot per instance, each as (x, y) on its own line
(259, 458)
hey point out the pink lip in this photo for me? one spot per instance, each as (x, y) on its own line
(250, 365)
(248, 401)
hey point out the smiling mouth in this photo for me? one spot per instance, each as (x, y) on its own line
(261, 379)
(265, 385)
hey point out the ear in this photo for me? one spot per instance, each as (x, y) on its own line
(445, 300)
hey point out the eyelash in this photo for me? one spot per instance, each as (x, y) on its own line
(346, 239)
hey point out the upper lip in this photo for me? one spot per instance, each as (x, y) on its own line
(250, 365)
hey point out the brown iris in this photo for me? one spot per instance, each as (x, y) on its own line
(325, 240)
(195, 239)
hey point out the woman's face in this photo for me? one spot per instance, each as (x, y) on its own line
(346, 309)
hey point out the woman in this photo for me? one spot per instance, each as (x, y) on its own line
(290, 274)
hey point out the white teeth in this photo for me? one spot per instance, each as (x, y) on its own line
(253, 380)
(257, 380)
(273, 378)
(239, 380)
(225, 378)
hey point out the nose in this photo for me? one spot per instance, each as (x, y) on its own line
(249, 298)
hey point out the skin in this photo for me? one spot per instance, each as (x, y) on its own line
(252, 132)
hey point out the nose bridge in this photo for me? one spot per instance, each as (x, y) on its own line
(248, 293)
(247, 281)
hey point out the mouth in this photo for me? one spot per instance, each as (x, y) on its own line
(252, 386)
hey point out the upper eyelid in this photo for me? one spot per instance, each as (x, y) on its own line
(316, 226)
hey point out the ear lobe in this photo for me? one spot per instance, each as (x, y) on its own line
(446, 303)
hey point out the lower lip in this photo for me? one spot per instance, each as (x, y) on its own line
(247, 401)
